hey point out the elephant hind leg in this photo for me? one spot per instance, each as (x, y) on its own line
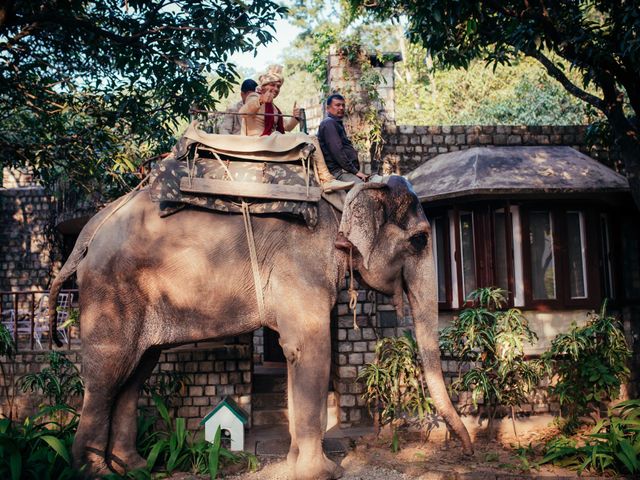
(122, 453)
(105, 369)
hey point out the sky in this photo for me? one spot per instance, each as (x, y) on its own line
(285, 33)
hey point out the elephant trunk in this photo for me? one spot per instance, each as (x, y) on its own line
(420, 281)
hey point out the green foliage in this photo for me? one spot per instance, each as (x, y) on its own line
(596, 40)
(394, 382)
(590, 363)
(522, 94)
(166, 385)
(58, 382)
(491, 341)
(7, 344)
(89, 89)
(176, 449)
(612, 446)
(38, 448)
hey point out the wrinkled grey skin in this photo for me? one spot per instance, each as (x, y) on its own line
(148, 283)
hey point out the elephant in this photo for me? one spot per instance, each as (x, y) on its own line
(148, 283)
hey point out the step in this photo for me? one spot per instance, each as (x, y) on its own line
(268, 401)
(270, 417)
(269, 384)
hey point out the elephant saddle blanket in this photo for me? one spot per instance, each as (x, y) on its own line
(222, 172)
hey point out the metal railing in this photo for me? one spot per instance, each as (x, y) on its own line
(25, 315)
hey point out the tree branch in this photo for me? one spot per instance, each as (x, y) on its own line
(559, 75)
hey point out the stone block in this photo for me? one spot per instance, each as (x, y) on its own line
(438, 139)
(500, 139)
(514, 140)
(347, 400)
(356, 359)
(354, 335)
(347, 372)
(359, 346)
(345, 347)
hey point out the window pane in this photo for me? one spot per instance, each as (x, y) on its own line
(576, 250)
(631, 259)
(440, 249)
(543, 274)
(468, 257)
(500, 254)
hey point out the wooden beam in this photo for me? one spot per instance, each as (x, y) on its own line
(249, 189)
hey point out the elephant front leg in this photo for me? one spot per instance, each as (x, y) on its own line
(308, 366)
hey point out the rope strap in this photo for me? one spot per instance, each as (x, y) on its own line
(254, 260)
(353, 293)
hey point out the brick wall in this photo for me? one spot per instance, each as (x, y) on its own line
(214, 372)
(352, 349)
(27, 254)
(407, 146)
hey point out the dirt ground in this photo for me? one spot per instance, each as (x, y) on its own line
(369, 457)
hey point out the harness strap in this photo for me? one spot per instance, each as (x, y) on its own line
(353, 293)
(253, 255)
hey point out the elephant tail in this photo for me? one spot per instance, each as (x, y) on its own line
(77, 255)
(67, 270)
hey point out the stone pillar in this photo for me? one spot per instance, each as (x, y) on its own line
(344, 76)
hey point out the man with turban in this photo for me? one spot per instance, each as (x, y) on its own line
(263, 117)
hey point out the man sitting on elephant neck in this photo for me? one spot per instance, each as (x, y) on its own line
(263, 117)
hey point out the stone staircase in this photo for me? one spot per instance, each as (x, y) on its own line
(269, 400)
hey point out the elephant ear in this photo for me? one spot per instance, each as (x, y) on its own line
(363, 215)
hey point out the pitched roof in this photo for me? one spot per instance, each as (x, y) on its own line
(500, 171)
(238, 412)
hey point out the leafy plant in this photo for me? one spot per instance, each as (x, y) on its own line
(38, 448)
(7, 350)
(176, 449)
(395, 387)
(613, 445)
(590, 363)
(58, 382)
(491, 343)
(167, 385)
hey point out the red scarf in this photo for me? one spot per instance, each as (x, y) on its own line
(269, 120)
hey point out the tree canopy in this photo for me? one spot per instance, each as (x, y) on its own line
(600, 39)
(89, 88)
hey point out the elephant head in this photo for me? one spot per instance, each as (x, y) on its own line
(392, 253)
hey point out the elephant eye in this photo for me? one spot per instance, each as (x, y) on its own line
(419, 241)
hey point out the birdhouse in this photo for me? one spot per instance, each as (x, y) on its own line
(231, 419)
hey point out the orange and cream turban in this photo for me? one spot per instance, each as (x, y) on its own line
(273, 75)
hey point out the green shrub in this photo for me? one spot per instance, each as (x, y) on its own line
(395, 387)
(58, 382)
(491, 342)
(38, 448)
(175, 449)
(590, 364)
(612, 446)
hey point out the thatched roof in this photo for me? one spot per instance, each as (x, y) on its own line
(508, 171)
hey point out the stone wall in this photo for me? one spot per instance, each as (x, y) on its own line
(28, 255)
(409, 146)
(214, 371)
(352, 349)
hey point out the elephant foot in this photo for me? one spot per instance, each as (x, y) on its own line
(319, 468)
(92, 465)
(123, 462)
